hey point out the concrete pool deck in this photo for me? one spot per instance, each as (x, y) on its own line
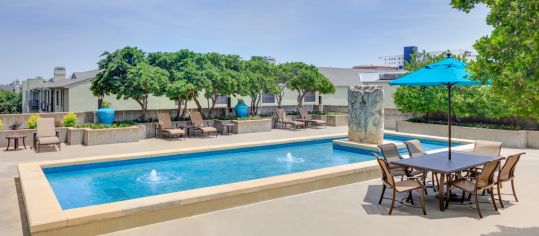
(327, 212)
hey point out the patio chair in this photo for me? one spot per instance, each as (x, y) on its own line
(507, 173)
(198, 124)
(283, 119)
(485, 180)
(415, 149)
(390, 152)
(308, 119)
(165, 126)
(46, 134)
(408, 185)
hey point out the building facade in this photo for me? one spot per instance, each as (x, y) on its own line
(399, 60)
(73, 94)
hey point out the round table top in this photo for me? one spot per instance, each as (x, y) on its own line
(15, 136)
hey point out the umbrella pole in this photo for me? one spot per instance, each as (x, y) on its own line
(449, 118)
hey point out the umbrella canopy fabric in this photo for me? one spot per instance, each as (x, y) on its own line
(448, 71)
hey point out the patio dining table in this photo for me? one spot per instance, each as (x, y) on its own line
(439, 163)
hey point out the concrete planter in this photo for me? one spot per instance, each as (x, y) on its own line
(533, 138)
(113, 135)
(75, 135)
(252, 126)
(333, 120)
(29, 135)
(510, 138)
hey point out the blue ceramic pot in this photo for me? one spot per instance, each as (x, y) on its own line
(242, 110)
(105, 115)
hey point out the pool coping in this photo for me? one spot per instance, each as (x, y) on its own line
(45, 214)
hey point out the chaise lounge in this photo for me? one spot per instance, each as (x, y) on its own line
(283, 119)
(198, 124)
(165, 127)
(308, 119)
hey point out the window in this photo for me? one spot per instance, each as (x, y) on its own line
(309, 97)
(57, 98)
(268, 98)
(221, 100)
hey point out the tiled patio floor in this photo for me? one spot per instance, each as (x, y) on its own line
(345, 210)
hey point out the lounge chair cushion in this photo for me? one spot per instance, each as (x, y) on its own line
(45, 127)
(318, 122)
(294, 122)
(48, 140)
(174, 131)
(208, 129)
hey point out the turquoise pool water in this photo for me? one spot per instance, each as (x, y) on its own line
(97, 183)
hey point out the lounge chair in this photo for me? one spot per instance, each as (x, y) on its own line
(308, 119)
(165, 127)
(283, 119)
(198, 124)
(398, 187)
(46, 134)
(485, 180)
(507, 173)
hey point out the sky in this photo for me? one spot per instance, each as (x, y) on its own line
(37, 35)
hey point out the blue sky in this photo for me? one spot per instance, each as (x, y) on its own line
(37, 35)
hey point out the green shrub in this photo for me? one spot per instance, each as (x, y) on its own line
(105, 104)
(249, 118)
(32, 121)
(70, 120)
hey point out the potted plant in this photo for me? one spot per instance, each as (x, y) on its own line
(15, 125)
(242, 110)
(105, 113)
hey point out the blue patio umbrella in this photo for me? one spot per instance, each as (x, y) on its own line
(448, 72)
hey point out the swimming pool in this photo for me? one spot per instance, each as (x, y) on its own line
(98, 183)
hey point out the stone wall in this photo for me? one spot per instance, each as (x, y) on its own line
(366, 114)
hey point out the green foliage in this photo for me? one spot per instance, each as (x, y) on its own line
(69, 120)
(10, 102)
(123, 124)
(1, 124)
(307, 79)
(259, 78)
(467, 101)
(106, 104)
(249, 118)
(509, 56)
(32, 121)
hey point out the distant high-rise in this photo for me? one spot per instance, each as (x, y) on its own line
(399, 60)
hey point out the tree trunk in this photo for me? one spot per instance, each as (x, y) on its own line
(179, 109)
(184, 109)
(258, 104)
(280, 99)
(199, 107)
(300, 99)
(144, 106)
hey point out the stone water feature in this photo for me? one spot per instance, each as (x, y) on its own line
(366, 114)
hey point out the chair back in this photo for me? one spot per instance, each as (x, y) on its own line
(45, 127)
(387, 177)
(508, 169)
(486, 177)
(414, 148)
(303, 113)
(164, 120)
(487, 147)
(281, 114)
(196, 119)
(390, 152)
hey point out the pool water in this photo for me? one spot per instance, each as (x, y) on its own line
(98, 183)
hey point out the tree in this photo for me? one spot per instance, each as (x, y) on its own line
(143, 80)
(307, 79)
(283, 77)
(509, 57)
(259, 77)
(10, 102)
(222, 71)
(178, 88)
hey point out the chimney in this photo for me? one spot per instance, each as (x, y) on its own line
(59, 73)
